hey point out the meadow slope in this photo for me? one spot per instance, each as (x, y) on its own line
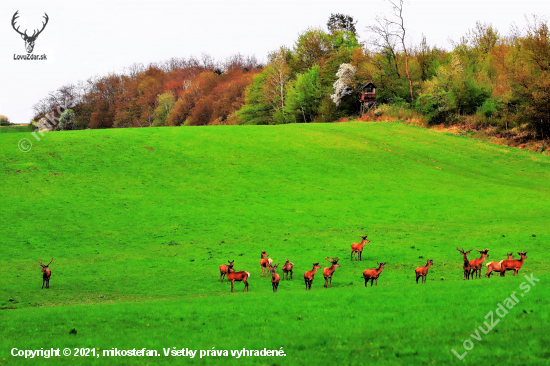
(139, 220)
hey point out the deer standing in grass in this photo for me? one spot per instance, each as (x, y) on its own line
(238, 276)
(466, 264)
(423, 271)
(47, 273)
(512, 264)
(265, 262)
(477, 264)
(495, 266)
(308, 276)
(274, 277)
(225, 269)
(357, 248)
(329, 271)
(373, 274)
(287, 268)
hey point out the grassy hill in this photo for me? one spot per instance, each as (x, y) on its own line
(139, 220)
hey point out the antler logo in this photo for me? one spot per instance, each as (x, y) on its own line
(29, 40)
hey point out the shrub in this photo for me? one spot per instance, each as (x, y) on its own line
(66, 121)
(4, 121)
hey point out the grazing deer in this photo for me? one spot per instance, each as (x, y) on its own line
(274, 277)
(287, 268)
(265, 262)
(46, 274)
(328, 271)
(357, 248)
(373, 274)
(423, 271)
(308, 276)
(495, 266)
(225, 269)
(466, 265)
(238, 276)
(512, 264)
(477, 264)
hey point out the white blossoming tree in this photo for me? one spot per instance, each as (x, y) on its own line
(344, 84)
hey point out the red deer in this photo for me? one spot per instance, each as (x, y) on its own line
(46, 274)
(238, 276)
(265, 262)
(513, 264)
(274, 277)
(423, 271)
(308, 276)
(495, 266)
(225, 269)
(466, 265)
(287, 268)
(328, 271)
(373, 274)
(357, 248)
(477, 264)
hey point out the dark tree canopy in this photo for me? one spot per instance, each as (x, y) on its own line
(341, 22)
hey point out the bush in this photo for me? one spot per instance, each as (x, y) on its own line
(66, 121)
(4, 121)
(488, 108)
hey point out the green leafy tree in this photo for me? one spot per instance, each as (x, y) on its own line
(312, 48)
(304, 96)
(166, 103)
(256, 111)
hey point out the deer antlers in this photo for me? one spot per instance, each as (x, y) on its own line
(45, 266)
(334, 260)
(34, 34)
(464, 252)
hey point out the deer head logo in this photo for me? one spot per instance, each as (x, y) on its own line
(29, 40)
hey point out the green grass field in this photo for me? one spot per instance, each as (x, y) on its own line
(12, 129)
(106, 204)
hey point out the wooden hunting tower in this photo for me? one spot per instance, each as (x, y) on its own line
(368, 97)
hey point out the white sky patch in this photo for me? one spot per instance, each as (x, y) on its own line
(83, 39)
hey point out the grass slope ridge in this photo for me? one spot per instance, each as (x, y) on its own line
(106, 204)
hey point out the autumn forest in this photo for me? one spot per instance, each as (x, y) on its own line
(489, 79)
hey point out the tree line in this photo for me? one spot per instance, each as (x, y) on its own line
(487, 78)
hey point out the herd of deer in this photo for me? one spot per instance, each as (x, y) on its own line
(472, 268)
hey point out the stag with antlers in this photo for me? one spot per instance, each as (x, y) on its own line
(476, 264)
(287, 268)
(357, 248)
(308, 276)
(373, 274)
(329, 271)
(47, 273)
(466, 264)
(423, 271)
(513, 264)
(495, 266)
(225, 269)
(29, 40)
(274, 277)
